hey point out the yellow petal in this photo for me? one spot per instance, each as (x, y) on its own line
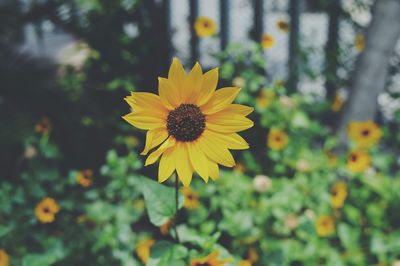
(220, 100)
(192, 84)
(183, 165)
(176, 73)
(170, 142)
(154, 138)
(213, 169)
(216, 151)
(208, 86)
(167, 165)
(228, 123)
(144, 101)
(169, 93)
(198, 160)
(238, 109)
(144, 120)
(231, 141)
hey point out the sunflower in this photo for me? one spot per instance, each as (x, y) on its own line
(283, 25)
(205, 27)
(4, 258)
(325, 225)
(358, 161)
(245, 263)
(143, 248)
(191, 198)
(339, 194)
(267, 41)
(194, 125)
(84, 178)
(364, 134)
(359, 42)
(337, 103)
(43, 127)
(46, 210)
(277, 139)
(210, 260)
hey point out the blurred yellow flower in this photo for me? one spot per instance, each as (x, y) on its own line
(143, 248)
(191, 198)
(277, 139)
(46, 210)
(84, 178)
(325, 225)
(265, 98)
(193, 125)
(252, 255)
(358, 161)
(239, 168)
(339, 194)
(267, 41)
(4, 258)
(244, 263)
(359, 42)
(43, 127)
(337, 103)
(164, 228)
(210, 260)
(283, 25)
(205, 27)
(239, 82)
(364, 134)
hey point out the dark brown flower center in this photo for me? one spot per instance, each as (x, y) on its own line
(353, 157)
(46, 210)
(186, 122)
(365, 132)
(278, 139)
(203, 264)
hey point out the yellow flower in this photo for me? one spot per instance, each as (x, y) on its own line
(339, 194)
(84, 178)
(43, 127)
(325, 225)
(239, 82)
(277, 139)
(267, 41)
(364, 134)
(164, 228)
(358, 161)
(337, 103)
(265, 98)
(46, 210)
(194, 125)
(245, 263)
(210, 260)
(4, 258)
(359, 42)
(283, 25)
(252, 255)
(205, 27)
(143, 249)
(191, 198)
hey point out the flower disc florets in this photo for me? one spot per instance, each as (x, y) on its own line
(186, 122)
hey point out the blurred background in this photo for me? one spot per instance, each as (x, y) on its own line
(70, 181)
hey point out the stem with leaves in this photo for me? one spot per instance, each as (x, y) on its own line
(177, 208)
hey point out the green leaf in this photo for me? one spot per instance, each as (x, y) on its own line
(348, 236)
(160, 201)
(166, 253)
(39, 260)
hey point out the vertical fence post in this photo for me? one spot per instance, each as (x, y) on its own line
(167, 21)
(224, 14)
(258, 28)
(332, 48)
(294, 12)
(194, 40)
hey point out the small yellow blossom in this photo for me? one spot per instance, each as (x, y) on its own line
(358, 161)
(265, 98)
(277, 139)
(4, 258)
(205, 27)
(339, 194)
(46, 210)
(359, 43)
(364, 133)
(239, 82)
(325, 225)
(210, 260)
(267, 41)
(245, 263)
(252, 255)
(191, 198)
(283, 25)
(84, 178)
(143, 249)
(337, 103)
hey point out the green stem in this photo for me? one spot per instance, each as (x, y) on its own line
(177, 208)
